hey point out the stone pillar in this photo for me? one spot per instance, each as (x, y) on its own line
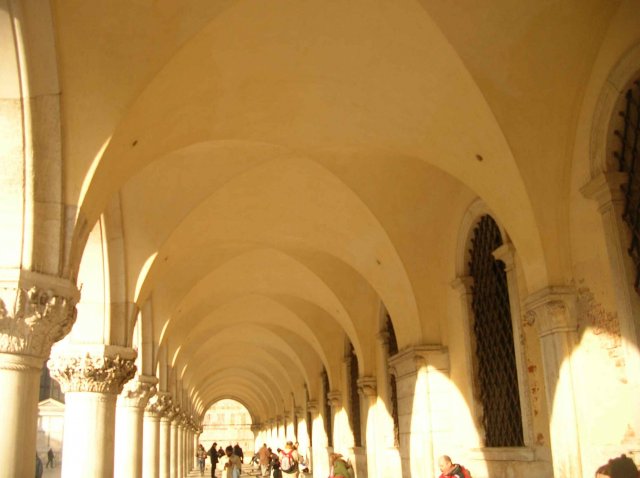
(553, 311)
(181, 455)
(339, 419)
(369, 410)
(388, 459)
(130, 408)
(165, 440)
(319, 456)
(35, 311)
(91, 383)
(173, 445)
(606, 190)
(151, 435)
(423, 406)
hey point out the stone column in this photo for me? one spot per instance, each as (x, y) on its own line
(319, 455)
(129, 422)
(338, 418)
(151, 435)
(369, 399)
(606, 190)
(91, 383)
(181, 455)
(553, 311)
(421, 377)
(165, 440)
(35, 311)
(173, 444)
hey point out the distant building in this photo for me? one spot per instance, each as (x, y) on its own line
(228, 422)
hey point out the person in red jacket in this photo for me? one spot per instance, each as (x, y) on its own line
(452, 470)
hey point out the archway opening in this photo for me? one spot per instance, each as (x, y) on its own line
(228, 423)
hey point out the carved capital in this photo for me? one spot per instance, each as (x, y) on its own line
(312, 407)
(35, 312)
(552, 310)
(137, 392)
(334, 398)
(298, 411)
(173, 414)
(92, 373)
(367, 387)
(158, 404)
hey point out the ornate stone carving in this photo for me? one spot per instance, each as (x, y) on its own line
(33, 319)
(92, 373)
(367, 387)
(334, 399)
(312, 407)
(137, 392)
(158, 404)
(552, 310)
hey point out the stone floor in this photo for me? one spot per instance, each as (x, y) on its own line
(246, 472)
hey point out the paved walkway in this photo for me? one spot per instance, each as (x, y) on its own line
(247, 472)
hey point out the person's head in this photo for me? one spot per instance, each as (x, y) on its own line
(444, 462)
(288, 445)
(214, 445)
(333, 457)
(229, 450)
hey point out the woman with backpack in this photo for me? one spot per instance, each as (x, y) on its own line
(289, 461)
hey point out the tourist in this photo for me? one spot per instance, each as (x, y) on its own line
(340, 468)
(450, 469)
(50, 456)
(214, 457)
(201, 455)
(264, 457)
(233, 464)
(289, 460)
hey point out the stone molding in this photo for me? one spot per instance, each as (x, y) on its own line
(367, 387)
(92, 373)
(35, 312)
(158, 404)
(409, 361)
(334, 398)
(312, 406)
(137, 392)
(605, 188)
(552, 310)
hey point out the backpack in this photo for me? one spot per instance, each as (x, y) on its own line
(465, 472)
(287, 463)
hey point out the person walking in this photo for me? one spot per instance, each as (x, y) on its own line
(452, 470)
(201, 455)
(264, 457)
(289, 461)
(213, 455)
(50, 456)
(233, 466)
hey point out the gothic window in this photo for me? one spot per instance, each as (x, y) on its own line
(392, 345)
(495, 365)
(354, 397)
(627, 156)
(327, 407)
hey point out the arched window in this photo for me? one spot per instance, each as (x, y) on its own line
(392, 345)
(627, 155)
(354, 397)
(327, 407)
(495, 364)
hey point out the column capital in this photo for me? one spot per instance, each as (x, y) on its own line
(36, 310)
(137, 392)
(173, 414)
(462, 284)
(158, 404)
(552, 310)
(256, 427)
(605, 188)
(94, 372)
(312, 406)
(409, 361)
(367, 387)
(334, 398)
(298, 411)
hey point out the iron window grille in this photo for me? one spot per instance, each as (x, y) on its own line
(627, 156)
(495, 367)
